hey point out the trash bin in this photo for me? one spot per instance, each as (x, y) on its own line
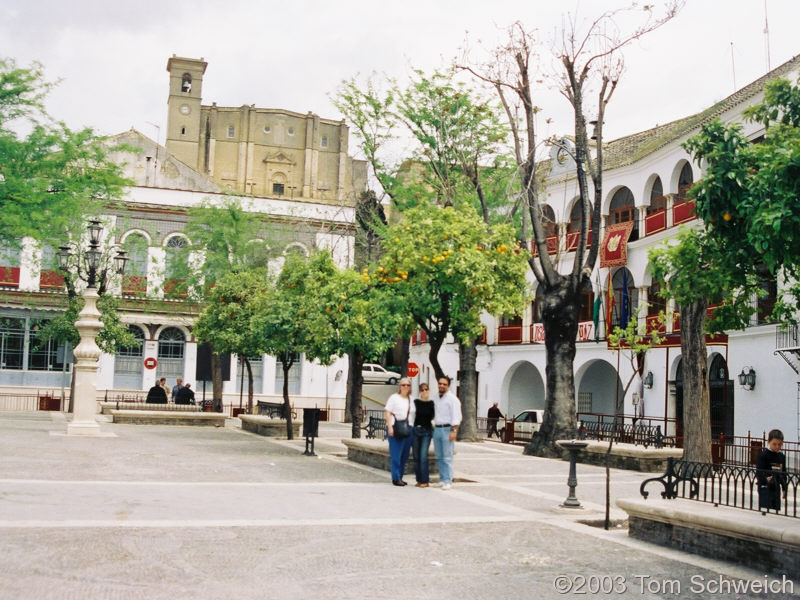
(311, 422)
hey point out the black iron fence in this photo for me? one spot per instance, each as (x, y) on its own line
(638, 434)
(725, 485)
(743, 450)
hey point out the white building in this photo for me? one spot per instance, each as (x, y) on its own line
(645, 178)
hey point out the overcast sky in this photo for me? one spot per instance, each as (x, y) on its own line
(111, 56)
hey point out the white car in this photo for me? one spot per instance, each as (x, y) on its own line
(373, 373)
(523, 426)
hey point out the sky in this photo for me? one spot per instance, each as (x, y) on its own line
(110, 57)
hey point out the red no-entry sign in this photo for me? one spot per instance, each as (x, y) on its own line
(413, 369)
(150, 363)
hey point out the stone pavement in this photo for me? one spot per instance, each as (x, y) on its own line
(175, 512)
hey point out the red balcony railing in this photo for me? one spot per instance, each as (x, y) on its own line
(9, 276)
(134, 285)
(655, 222)
(683, 212)
(51, 280)
(572, 240)
(652, 324)
(552, 245)
(509, 334)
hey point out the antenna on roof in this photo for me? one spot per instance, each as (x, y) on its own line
(766, 36)
(733, 69)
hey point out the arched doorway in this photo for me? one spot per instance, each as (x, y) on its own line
(720, 390)
(598, 386)
(524, 389)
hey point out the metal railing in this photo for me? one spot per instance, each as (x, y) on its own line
(741, 450)
(723, 485)
(638, 434)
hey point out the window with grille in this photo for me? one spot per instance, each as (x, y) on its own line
(45, 354)
(12, 343)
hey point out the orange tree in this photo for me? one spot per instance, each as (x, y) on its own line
(227, 318)
(448, 267)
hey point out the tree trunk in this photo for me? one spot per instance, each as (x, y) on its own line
(433, 354)
(468, 391)
(696, 402)
(249, 386)
(405, 353)
(216, 382)
(287, 408)
(560, 320)
(355, 382)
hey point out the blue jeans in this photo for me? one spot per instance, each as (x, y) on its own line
(444, 453)
(398, 455)
(421, 443)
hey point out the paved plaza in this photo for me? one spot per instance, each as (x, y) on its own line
(173, 512)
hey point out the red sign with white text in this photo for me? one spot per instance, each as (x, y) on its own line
(413, 369)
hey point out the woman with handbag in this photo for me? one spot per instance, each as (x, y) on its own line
(400, 412)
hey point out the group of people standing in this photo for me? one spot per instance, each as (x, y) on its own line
(181, 393)
(415, 423)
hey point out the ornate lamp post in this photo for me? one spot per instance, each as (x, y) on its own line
(87, 352)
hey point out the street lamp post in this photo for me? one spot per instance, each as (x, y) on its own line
(87, 352)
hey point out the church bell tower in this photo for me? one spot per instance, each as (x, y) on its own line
(183, 115)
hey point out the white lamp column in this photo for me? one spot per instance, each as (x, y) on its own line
(86, 355)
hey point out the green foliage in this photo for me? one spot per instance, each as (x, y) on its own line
(113, 336)
(227, 320)
(367, 318)
(459, 141)
(749, 199)
(224, 238)
(52, 176)
(449, 267)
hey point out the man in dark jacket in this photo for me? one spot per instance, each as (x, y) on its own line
(156, 395)
(185, 395)
(492, 417)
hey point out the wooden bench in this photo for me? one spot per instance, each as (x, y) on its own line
(272, 409)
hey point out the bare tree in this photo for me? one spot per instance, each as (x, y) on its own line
(589, 68)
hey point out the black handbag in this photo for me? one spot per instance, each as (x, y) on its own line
(401, 428)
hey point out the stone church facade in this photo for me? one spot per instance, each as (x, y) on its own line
(261, 152)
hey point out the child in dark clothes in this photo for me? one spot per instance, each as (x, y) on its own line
(771, 476)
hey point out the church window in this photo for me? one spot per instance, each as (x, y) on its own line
(231, 131)
(266, 129)
(290, 131)
(186, 83)
(183, 130)
(277, 188)
(324, 141)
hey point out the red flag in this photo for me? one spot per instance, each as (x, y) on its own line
(609, 304)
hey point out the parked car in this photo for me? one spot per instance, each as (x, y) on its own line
(373, 373)
(523, 426)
